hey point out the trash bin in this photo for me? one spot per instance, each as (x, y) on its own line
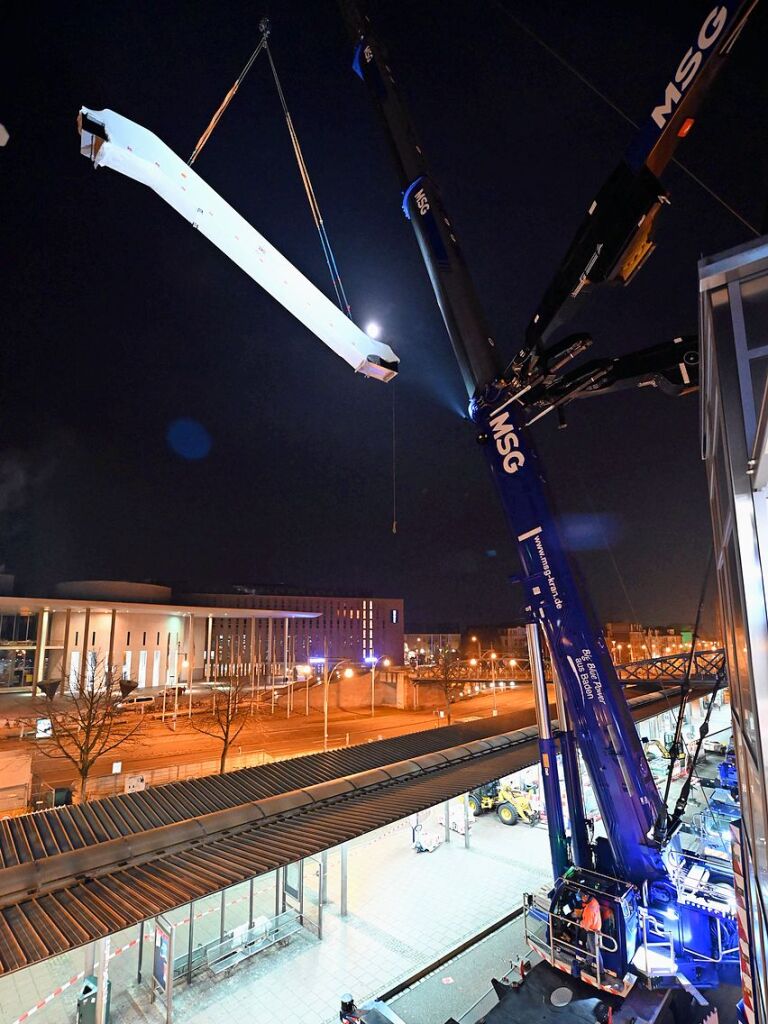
(86, 1001)
(62, 796)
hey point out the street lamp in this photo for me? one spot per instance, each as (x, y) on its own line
(348, 673)
(493, 656)
(475, 640)
(185, 665)
(304, 672)
(373, 662)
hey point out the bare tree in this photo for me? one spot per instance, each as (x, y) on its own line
(227, 715)
(448, 677)
(86, 724)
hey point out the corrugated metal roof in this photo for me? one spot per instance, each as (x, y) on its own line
(98, 902)
(33, 837)
(112, 876)
(58, 830)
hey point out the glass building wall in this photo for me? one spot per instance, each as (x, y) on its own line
(17, 649)
(734, 429)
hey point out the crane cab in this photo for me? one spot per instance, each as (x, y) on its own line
(587, 926)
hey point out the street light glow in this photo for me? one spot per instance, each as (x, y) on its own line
(373, 330)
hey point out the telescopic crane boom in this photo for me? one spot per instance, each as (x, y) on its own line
(616, 236)
(624, 788)
(641, 877)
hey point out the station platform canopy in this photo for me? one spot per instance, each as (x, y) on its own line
(71, 875)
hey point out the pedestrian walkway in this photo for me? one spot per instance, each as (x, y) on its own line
(405, 910)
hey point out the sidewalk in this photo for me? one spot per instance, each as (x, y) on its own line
(405, 910)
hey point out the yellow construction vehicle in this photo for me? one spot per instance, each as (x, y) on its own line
(511, 805)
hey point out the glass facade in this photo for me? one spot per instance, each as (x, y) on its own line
(17, 649)
(734, 410)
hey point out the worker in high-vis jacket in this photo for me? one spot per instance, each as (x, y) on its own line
(591, 921)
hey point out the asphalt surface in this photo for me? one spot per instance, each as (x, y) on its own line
(463, 983)
(159, 745)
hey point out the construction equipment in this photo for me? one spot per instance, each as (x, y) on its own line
(673, 920)
(673, 924)
(655, 748)
(511, 805)
(727, 774)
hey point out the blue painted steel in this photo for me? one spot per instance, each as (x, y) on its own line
(726, 770)
(357, 64)
(554, 805)
(654, 143)
(624, 787)
(604, 730)
(407, 195)
(580, 851)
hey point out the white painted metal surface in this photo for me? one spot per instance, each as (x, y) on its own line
(110, 140)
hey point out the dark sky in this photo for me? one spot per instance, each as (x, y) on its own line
(119, 319)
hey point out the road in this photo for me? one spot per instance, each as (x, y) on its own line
(158, 745)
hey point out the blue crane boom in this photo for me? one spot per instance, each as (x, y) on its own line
(639, 872)
(624, 786)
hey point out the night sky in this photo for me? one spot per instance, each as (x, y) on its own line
(119, 320)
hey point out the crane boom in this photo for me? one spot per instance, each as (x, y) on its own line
(622, 780)
(616, 235)
(674, 918)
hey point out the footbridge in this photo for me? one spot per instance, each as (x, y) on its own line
(667, 669)
(707, 666)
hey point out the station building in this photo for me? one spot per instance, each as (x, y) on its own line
(360, 629)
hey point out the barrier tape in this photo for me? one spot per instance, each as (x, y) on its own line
(122, 949)
(44, 1002)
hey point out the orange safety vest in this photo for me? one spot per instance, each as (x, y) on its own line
(590, 917)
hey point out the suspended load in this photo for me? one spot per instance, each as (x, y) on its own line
(110, 140)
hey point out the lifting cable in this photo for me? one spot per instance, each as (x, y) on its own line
(227, 100)
(338, 287)
(394, 463)
(665, 825)
(615, 107)
(314, 206)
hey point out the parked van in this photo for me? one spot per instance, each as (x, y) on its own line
(136, 701)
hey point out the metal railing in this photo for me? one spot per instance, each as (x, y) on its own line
(109, 785)
(664, 944)
(101, 786)
(706, 667)
(720, 951)
(549, 946)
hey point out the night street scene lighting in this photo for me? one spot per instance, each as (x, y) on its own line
(285, 694)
